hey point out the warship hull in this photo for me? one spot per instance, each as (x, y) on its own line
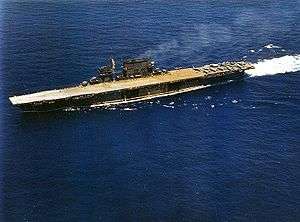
(139, 81)
(115, 95)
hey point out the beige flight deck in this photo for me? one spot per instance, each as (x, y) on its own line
(167, 77)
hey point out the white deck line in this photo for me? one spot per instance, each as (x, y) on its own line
(160, 95)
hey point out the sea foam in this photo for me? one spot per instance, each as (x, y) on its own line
(274, 66)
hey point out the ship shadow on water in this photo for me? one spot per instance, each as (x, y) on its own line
(52, 118)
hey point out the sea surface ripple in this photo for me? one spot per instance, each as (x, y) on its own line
(224, 153)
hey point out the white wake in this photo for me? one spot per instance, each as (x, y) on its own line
(274, 66)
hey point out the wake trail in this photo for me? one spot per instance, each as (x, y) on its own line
(285, 64)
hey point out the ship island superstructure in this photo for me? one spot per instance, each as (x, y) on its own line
(139, 80)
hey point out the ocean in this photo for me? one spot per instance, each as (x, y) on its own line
(224, 153)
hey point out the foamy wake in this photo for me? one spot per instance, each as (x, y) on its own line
(274, 66)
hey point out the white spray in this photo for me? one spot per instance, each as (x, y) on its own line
(274, 66)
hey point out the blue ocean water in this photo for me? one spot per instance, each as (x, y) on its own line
(224, 153)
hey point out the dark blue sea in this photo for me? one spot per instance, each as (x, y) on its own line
(225, 153)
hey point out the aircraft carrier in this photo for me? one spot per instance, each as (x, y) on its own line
(138, 80)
